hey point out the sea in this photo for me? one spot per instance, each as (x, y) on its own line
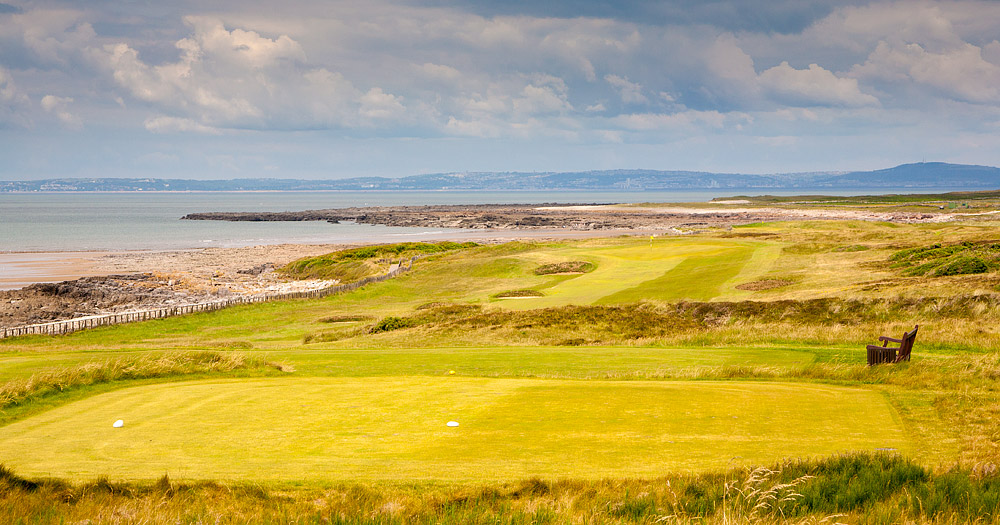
(51, 222)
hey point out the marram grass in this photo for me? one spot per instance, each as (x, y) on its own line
(855, 488)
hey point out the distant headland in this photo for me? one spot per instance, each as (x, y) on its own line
(930, 175)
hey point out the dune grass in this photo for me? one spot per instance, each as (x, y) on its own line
(855, 488)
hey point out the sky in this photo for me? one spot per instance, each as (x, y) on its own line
(326, 89)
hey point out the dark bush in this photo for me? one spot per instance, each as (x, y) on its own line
(391, 323)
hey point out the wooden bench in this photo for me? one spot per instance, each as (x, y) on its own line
(892, 354)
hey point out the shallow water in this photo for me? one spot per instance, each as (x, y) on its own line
(50, 222)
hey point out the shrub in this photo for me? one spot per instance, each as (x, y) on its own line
(963, 266)
(388, 324)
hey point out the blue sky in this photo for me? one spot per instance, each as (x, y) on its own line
(310, 89)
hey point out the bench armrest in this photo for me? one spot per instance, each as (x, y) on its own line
(892, 339)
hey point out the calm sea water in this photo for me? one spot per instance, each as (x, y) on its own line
(151, 221)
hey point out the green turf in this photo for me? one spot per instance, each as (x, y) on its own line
(699, 278)
(393, 428)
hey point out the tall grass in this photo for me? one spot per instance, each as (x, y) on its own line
(967, 318)
(854, 488)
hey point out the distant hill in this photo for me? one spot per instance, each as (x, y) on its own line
(919, 175)
(907, 176)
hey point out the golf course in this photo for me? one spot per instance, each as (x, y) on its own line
(719, 376)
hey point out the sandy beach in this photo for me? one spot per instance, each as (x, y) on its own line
(21, 269)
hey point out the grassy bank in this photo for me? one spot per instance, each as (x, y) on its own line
(848, 489)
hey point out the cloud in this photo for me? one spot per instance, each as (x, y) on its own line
(674, 121)
(8, 92)
(378, 104)
(59, 106)
(961, 73)
(732, 77)
(244, 80)
(630, 92)
(13, 104)
(544, 99)
(813, 86)
(164, 124)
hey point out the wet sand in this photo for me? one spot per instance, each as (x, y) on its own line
(21, 269)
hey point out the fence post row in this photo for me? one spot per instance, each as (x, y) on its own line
(72, 325)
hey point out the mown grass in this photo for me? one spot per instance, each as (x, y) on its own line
(856, 488)
(19, 396)
(318, 430)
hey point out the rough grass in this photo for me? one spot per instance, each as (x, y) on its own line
(763, 284)
(827, 320)
(519, 293)
(355, 264)
(856, 488)
(565, 267)
(937, 260)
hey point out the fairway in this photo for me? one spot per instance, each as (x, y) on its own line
(393, 429)
(667, 269)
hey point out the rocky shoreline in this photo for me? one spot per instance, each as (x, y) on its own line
(587, 217)
(146, 280)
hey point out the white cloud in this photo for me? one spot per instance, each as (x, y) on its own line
(630, 92)
(241, 79)
(471, 128)
(960, 73)
(541, 100)
(813, 86)
(731, 68)
(59, 106)
(440, 72)
(54, 36)
(164, 124)
(378, 104)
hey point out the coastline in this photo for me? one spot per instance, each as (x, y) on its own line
(19, 269)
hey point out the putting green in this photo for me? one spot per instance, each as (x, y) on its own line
(393, 428)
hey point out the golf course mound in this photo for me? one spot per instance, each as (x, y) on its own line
(395, 429)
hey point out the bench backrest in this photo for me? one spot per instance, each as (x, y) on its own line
(904, 348)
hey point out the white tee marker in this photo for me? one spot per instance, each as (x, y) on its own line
(118, 424)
